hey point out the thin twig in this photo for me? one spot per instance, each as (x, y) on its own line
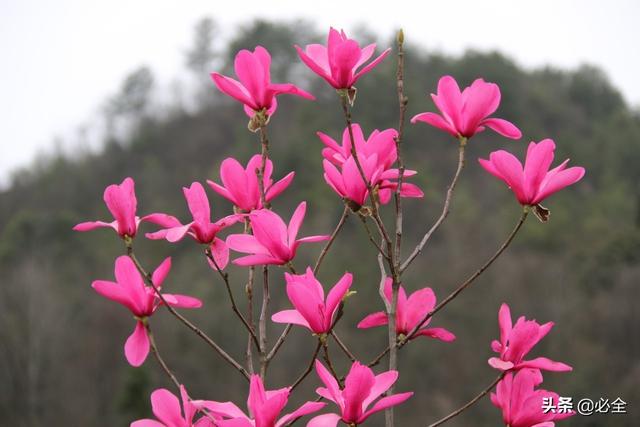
(470, 403)
(249, 292)
(234, 307)
(326, 248)
(156, 354)
(445, 208)
(264, 143)
(264, 361)
(183, 319)
(343, 347)
(327, 359)
(371, 239)
(279, 342)
(309, 367)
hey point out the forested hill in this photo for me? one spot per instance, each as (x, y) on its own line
(61, 345)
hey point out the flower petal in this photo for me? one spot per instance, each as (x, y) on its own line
(136, 349)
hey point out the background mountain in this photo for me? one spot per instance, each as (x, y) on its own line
(61, 360)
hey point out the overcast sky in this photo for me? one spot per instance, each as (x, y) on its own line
(62, 58)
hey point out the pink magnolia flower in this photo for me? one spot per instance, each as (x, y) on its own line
(121, 202)
(307, 296)
(409, 312)
(240, 185)
(466, 113)
(361, 389)
(272, 242)
(348, 182)
(166, 408)
(264, 406)
(201, 229)
(376, 155)
(516, 341)
(129, 290)
(522, 405)
(380, 143)
(339, 61)
(255, 89)
(535, 182)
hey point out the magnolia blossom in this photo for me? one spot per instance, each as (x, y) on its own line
(339, 61)
(376, 155)
(201, 229)
(254, 88)
(166, 408)
(381, 143)
(264, 406)
(522, 405)
(535, 182)
(465, 113)
(121, 202)
(361, 389)
(129, 290)
(517, 340)
(240, 185)
(307, 296)
(409, 312)
(273, 241)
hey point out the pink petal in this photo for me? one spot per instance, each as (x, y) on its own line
(538, 161)
(236, 181)
(449, 100)
(121, 202)
(500, 364)
(436, 121)
(147, 423)
(166, 407)
(176, 234)
(277, 188)
(437, 333)
(114, 292)
(136, 347)
(296, 222)
(92, 225)
(271, 231)
(504, 322)
(325, 420)
(314, 60)
(481, 99)
(559, 181)
(222, 191)
(236, 422)
(510, 168)
(161, 272)
(383, 382)
(386, 402)
(246, 243)
(371, 65)
(503, 127)
(182, 301)
(373, 320)
(335, 296)
(220, 253)
(198, 203)
(291, 89)
(357, 387)
(330, 382)
(234, 89)
(225, 409)
(259, 259)
(252, 75)
(418, 305)
(306, 409)
(545, 364)
(290, 316)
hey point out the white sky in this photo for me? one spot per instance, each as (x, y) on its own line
(62, 58)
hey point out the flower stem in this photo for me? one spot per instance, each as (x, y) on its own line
(470, 403)
(156, 354)
(326, 248)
